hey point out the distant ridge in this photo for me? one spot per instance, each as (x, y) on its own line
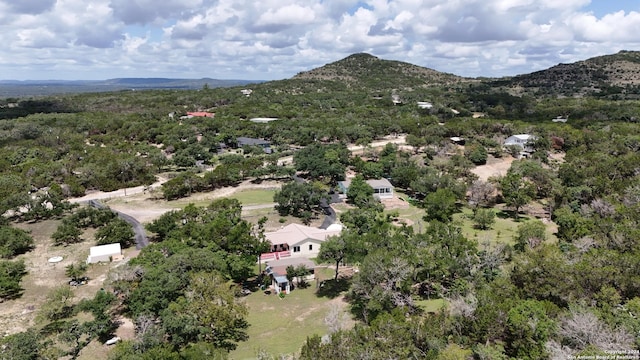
(20, 88)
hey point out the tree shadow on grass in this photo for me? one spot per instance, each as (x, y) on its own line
(508, 214)
(332, 288)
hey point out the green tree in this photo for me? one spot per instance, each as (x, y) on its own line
(76, 271)
(382, 284)
(21, 346)
(166, 223)
(223, 175)
(323, 161)
(208, 312)
(14, 241)
(11, 273)
(58, 304)
(182, 185)
(333, 249)
(476, 153)
(528, 329)
(544, 274)
(372, 170)
(440, 205)
(360, 193)
(297, 272)
(404, 172)
(443, 255)
(13, 191)
(516, 191)
(530, 234)
(66, 233)
(88, 216)
(295, 198)
(483, 219)
(116, 231)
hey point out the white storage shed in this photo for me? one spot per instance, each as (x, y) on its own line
(104, 253)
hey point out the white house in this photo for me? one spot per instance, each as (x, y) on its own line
(262, 120)
(295, 240)
(523, 141)
(520, 140)
(382, 188)
(425, 105)
(102, 253)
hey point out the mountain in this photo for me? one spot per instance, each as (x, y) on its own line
(367, 71)
(616, 75)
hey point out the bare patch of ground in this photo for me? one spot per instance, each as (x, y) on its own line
(493, 168)
(126, 330)
(395, 203)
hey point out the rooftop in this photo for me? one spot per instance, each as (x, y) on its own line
(295, 233)
(374, 183)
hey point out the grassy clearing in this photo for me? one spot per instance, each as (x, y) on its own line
(431, 306)
(413, 216)
(281, 326)
(254, 196)
(503, 231)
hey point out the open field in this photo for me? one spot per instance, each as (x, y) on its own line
(502, 232)
(431, 306)
(19, 314)
(254, 196)
(281, 326)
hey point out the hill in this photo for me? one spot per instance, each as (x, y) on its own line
(614, 76)
(367, 71)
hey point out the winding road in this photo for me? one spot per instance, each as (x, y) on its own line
(140, 234)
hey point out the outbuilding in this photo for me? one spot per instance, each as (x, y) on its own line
(104, 253)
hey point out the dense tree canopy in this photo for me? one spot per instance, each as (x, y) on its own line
(323, 161)
(301, 199)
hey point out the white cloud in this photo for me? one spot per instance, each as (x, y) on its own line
(274, 39)
(286, 16)
(618, 26)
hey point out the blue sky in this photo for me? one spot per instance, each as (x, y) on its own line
(603, 7)
(275, 39)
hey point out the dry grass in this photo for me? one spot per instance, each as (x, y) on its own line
(281, 326)
(19, 314)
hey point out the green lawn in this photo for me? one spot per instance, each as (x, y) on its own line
(254, 196)
(413, 214)
(281, 326)
(502, 231)
(431, 306)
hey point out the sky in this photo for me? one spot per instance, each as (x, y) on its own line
(276, 39)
